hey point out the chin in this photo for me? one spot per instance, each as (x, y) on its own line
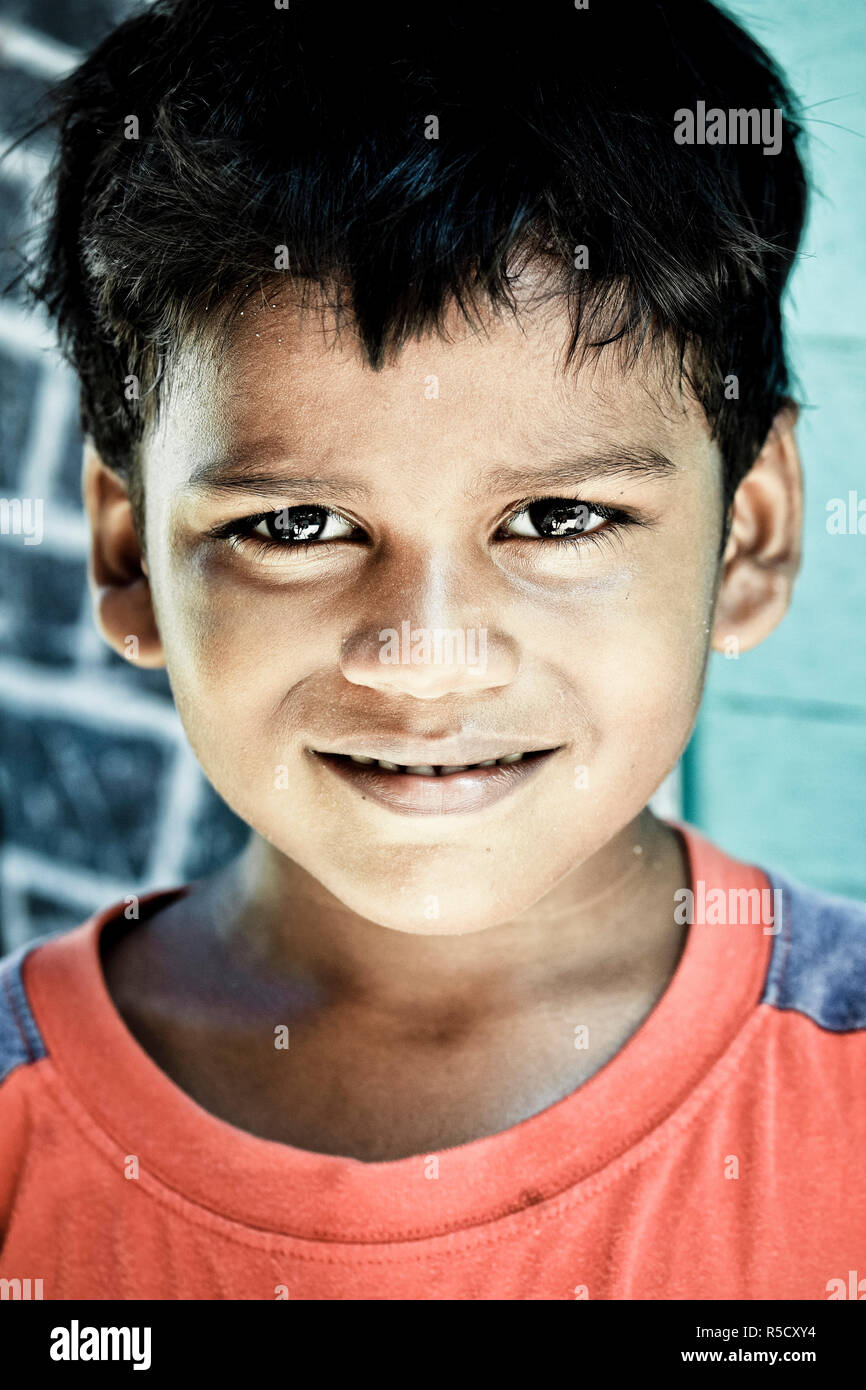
(428, 909)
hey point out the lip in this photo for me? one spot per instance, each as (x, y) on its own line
(441, 751)
(414, 795)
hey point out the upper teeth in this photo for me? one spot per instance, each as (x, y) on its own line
(427, 769)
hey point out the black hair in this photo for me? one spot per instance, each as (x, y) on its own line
(313, 128)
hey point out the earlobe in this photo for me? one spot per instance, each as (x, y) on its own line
(762, 553)
(117, 572)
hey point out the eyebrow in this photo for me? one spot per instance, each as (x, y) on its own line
(574, 470)
(246, 473)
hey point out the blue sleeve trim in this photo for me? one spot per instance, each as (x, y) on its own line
(20, 1039)
(818, 962)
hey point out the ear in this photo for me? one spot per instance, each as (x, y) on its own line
(762, 554)
(117, 570)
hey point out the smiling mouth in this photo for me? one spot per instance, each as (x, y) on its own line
(436, 789)
(433, 769)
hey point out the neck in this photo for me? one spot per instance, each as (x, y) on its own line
(607, 923)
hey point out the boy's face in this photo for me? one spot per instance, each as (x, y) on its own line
(276, 654)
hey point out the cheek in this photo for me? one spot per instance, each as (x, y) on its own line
(654, 647)
(635, 657)
(233, 652)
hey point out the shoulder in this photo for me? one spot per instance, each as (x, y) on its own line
(20, 1039)
(53, 984)
(818, 960)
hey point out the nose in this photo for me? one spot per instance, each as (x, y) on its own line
(430, 656)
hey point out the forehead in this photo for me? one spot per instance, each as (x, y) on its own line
(293, 380)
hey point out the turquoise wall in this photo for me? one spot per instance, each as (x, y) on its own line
(776, 770)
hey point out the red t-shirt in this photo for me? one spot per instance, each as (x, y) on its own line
(720, 1154)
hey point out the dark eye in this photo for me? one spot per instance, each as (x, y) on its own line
(555, 518)
(301, 526)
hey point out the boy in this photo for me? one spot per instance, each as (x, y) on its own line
(437, 429)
